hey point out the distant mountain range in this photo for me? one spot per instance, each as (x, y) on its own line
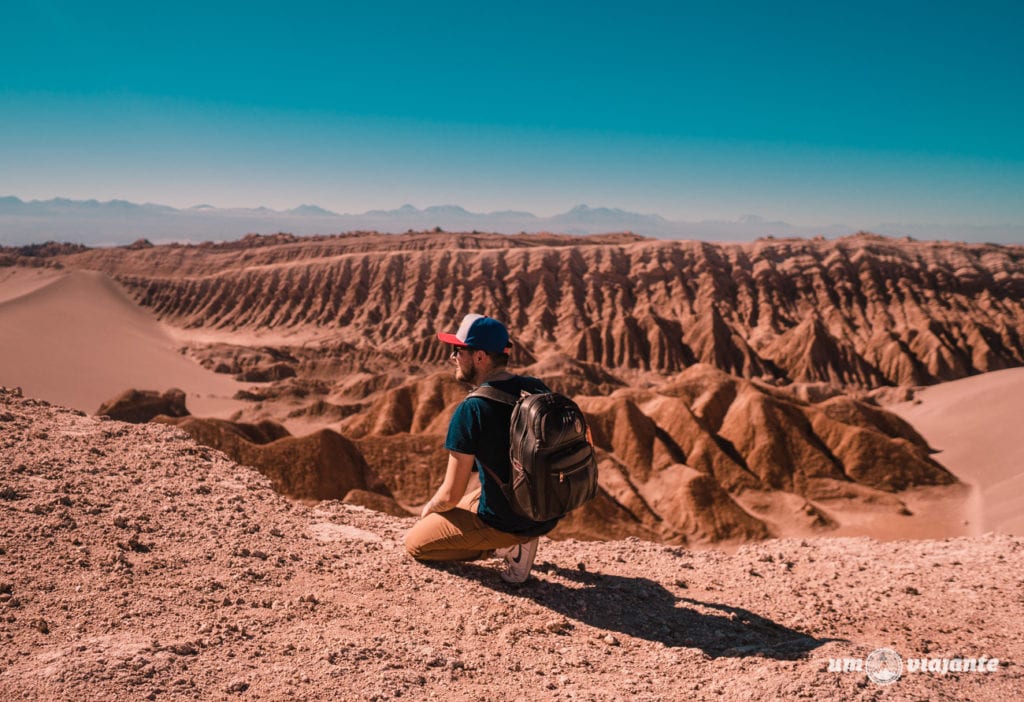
(96, 223)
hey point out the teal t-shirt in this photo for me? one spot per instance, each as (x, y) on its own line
(480, 427)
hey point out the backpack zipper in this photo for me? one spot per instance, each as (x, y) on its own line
(571, 471)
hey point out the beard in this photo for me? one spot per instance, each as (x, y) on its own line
(471, 376)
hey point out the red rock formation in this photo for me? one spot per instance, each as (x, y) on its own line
(676, 459)
(860, 311)
(321, 466)
(646, 333)
(140, 406)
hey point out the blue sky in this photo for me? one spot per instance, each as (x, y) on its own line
(810, 112)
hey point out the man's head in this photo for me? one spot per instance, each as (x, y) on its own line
(478, 347)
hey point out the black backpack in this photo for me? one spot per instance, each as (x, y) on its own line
(554, 469)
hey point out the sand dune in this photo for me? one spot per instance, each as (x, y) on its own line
(78, 340)
(974, 423)
(16, 281)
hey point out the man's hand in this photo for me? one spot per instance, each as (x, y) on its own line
(456, 478)
(433, 506)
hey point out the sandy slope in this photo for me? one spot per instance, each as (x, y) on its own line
(135, 564)
(975, 424)
(17, 281)
(78, 340)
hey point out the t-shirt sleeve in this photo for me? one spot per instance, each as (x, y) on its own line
(465, 428)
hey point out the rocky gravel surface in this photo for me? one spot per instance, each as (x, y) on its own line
(136, 564)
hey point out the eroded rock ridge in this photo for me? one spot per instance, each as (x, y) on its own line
(861, 311)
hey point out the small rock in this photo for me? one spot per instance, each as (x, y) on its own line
(557, 626)
(237, 686)
(611, 640)
(911, 590)
(135, 545)
(41, 626)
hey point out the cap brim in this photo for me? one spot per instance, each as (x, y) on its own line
(451, 339)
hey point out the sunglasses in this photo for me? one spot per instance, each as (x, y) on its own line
(456, 350)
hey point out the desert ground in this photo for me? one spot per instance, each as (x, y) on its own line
(138, 565)
(815, 461)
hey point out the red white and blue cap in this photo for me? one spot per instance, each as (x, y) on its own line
(479, 332)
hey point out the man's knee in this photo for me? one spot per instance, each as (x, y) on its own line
(417, 539)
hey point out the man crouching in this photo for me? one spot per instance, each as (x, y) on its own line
(459, 526)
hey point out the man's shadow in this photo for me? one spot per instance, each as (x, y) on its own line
(643, 608)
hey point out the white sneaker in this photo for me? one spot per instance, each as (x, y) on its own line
(518, 561)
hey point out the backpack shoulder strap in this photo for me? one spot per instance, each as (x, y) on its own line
(492, 393)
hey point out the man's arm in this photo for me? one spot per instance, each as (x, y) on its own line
(456, 477)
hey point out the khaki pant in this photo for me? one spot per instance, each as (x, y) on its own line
(458, 534)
